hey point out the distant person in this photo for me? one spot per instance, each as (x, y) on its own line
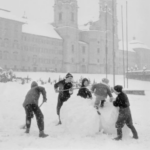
(64, 88)
(101, 91)
(31, 106)
(83, 91)
(124, 113)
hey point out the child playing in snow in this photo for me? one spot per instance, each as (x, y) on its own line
(31, 106)
(65, 90)
(101, 91)
(124, 113)
(83, 91)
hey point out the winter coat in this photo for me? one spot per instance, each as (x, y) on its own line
(62, 85)
(84, 92)
(101, 90)
(33, 94)
(121, 101)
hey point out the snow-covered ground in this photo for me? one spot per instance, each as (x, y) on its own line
(80, 120)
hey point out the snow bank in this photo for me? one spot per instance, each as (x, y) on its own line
(80, 120)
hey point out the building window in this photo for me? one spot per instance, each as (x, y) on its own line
(34, 59)
(72, 17)
(98, 50)
(98, 60)
(5, 55)
(83, 49)
(15, 44)
(0, 54)
(0, 41)
(83, 60)
(15, 56)
(60, 16)
(72, 48)
(6, 42)
(72, 60)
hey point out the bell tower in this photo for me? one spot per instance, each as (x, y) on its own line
(65, 13)
(66, 24)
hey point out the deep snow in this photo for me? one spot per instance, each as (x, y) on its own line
(80, 120)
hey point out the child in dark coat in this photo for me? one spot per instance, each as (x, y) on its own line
(64, 87)
(31, 106)
(124, 113)
(83, 91)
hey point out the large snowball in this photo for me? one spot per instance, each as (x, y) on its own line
(80, 117)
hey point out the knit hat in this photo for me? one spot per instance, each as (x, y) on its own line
(104, 80)
(118, 88)
(69, 75)
(34, 84)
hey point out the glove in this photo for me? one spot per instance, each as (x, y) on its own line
(111, 99)
(56, 90)
(71, 91)
(45, 100)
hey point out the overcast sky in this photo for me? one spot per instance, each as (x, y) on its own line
(42, 10)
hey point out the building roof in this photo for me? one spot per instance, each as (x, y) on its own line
(41, 29)
(82, 42)
(84, 27)
(6, 14)
(130, 49)
(138, 45)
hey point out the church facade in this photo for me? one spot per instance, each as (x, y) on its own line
(64, 46)
(85, 49)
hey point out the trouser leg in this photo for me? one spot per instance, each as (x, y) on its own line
(59, 105)
(129, 123)
(39, 117)
(29, 112)
(119, 125)
(102, 103)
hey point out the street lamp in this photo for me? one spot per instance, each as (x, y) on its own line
(106, 37)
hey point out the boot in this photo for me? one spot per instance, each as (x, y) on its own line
(135, 135)
(42, 134)
(59, 123)
(27, 130)
(119, 133)
(102, 103)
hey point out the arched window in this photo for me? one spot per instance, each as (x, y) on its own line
(60, 16)
(72, 17)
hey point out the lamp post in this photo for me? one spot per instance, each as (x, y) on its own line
(106, 38)
(113, 42)
(123, 46)
(127, 39)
